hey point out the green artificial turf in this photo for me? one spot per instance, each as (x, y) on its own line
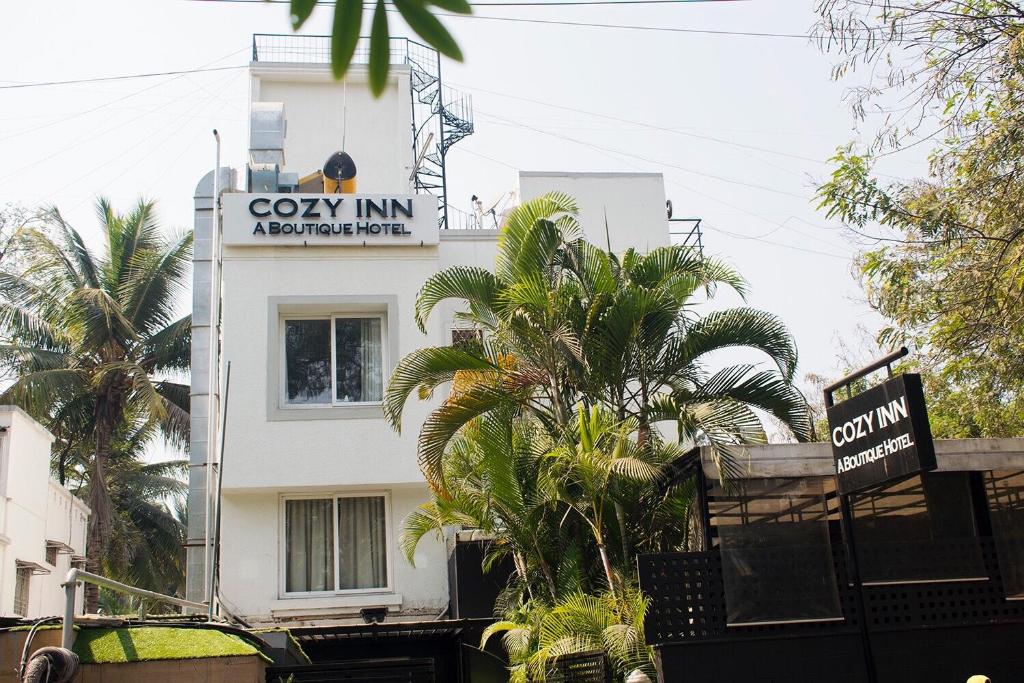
(147, 643)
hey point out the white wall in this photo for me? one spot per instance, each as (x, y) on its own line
(631, 204)
(343, 449)
(320, 112)
(34, 509)
(252, 558)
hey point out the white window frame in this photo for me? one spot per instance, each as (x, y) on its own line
(334, 402)
(334, 496)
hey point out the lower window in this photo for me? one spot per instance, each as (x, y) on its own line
(335, 544)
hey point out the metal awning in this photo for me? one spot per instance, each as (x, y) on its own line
(415, 629)
(62, 547)
(37, 569)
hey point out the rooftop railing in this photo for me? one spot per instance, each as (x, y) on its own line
(296, 49)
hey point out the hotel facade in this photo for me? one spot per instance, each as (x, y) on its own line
(304, 288)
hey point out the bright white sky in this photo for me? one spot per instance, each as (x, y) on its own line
(152, 137)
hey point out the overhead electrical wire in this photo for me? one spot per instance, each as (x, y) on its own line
(158, 137)
(702, 174)
(758, 238)
(642, 124)
(124, 77)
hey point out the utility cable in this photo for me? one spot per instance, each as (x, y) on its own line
(114, 101)
(684, 169)
(124, 77)
(642, 124)
(758, 238)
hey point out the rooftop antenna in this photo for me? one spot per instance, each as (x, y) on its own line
(493, 209)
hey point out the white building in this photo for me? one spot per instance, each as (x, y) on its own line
(316, 310)
(43, 527)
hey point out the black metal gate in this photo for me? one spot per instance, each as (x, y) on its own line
(389, 670)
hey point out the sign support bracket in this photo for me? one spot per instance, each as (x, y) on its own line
(846, 510)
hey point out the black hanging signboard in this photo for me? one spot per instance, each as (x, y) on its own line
(881, 434)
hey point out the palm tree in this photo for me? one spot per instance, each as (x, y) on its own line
(566, 322)
(87, 333)
(493, 471)
(584, 468)
(536, 635)
(523, 308)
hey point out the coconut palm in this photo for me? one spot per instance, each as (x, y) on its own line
(86, 333)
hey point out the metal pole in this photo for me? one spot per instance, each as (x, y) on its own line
(440, 146)
(853, 563)
(882, 362)
(211, 382)
(67, 629)
(215, 574)
(71, 584)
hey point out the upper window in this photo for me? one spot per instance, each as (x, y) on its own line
(333, 360)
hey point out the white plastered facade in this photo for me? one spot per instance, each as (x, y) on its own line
(35, 511)
(274, 452)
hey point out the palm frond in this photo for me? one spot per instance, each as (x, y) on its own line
(426, 369)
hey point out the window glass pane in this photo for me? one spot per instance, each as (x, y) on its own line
(777, 560)
(309, 545)
(1006, 503)
(918, 529)
(307, 347)
(362, 556)
(358, 359)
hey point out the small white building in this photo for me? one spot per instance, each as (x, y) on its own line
(43, 526)
(317, 293)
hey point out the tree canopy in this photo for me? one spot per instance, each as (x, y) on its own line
(944, 256)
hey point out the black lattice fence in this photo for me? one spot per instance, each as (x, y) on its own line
(688, 601)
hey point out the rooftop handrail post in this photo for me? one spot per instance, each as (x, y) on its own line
(68, 625)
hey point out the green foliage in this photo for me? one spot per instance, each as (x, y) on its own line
(536, 635)
(550, 443)
(85, 334)
(347, 24)
(566, 322)
(947, 267)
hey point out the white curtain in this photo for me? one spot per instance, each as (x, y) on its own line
(370, 360)
(309, 542)
(362, 557)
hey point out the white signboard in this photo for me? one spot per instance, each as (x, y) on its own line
(298, 220)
